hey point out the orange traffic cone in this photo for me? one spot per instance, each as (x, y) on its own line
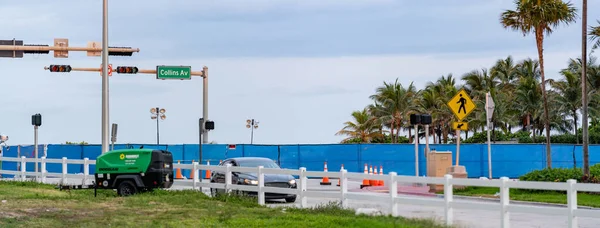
(325, 180)
(340, 178)
(381, 183)
(365, 182)
(178, 172)
(207, 176)
(375, 182)
(371, 181)
(192, 172)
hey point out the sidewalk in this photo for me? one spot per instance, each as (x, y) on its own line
(472, 218)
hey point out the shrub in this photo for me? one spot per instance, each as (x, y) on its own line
(563, 174)
(553, 175)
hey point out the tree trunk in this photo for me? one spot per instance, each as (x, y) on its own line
(533, 130)
(392, 131)
(398, 133)
(494, 131)
(410, 139)
(434, 134)
(445, 132)
(586, 153)
(575, 125)
(539, 38)
(576, 138)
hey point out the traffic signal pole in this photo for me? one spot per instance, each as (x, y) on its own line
(105, 106)
(204, 104)
(45, 49)
(139, 71)
(170, 70)
(16, 49)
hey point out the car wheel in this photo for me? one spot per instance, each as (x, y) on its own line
(126, 188)
(290, 199)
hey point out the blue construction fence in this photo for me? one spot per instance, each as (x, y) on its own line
(510, 160)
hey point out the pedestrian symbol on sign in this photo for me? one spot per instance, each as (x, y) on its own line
(461, 104)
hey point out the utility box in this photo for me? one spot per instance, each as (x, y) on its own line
(437, 164)
(457, 171)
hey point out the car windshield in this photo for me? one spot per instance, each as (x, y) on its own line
(256, 163)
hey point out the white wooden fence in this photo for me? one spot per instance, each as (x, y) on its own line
(393, 200)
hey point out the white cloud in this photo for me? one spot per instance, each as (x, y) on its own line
(297, 100)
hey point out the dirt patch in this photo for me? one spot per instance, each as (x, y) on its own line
(39, 211)
(11, 214)
(48, 192)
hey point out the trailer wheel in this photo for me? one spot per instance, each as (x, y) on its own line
(126, 188)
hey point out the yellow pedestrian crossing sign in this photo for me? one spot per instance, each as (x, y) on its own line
(461, 104)
(463, 126)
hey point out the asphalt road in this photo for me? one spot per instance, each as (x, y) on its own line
(462, 218)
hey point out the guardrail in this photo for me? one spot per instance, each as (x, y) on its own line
(571, 211)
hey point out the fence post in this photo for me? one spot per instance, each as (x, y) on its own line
(572, 202)
(86, 170)
(393, 186)
(23, 168)
(302, 187)
(448, 198)
(344, 187)
(63, 179)
(43, 164)
(504, 201)
(228, 178)
(261, 184)
(195, 180)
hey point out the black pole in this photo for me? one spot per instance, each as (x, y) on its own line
(279, 155)
(157, 134)
(201, 120)
(252, 132)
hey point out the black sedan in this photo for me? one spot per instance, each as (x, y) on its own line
(242, 178)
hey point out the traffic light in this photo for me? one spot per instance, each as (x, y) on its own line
(127, 70)
(60, 68)
(425, 119)
(116, 53)
(209, 125)
(36, 120)
(415, 119)
(36, 52)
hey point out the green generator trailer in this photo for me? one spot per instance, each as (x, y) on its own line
(130, 171)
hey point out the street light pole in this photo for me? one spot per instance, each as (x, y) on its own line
(204, 103)
(251, 123)
(158, 113)
(105, 118)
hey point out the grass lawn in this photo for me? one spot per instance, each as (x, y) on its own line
(583, 199)
(27, 204)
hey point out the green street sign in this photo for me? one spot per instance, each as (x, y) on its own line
(174, 72)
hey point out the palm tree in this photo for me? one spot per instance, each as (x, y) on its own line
(362, 127)
(433, 104)
(478, 83)
(506, 71)
(595, 36)
(569, 99)
(540, 18)
(396, 102)
(443, 90)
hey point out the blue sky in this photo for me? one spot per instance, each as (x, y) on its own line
(299, 67)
